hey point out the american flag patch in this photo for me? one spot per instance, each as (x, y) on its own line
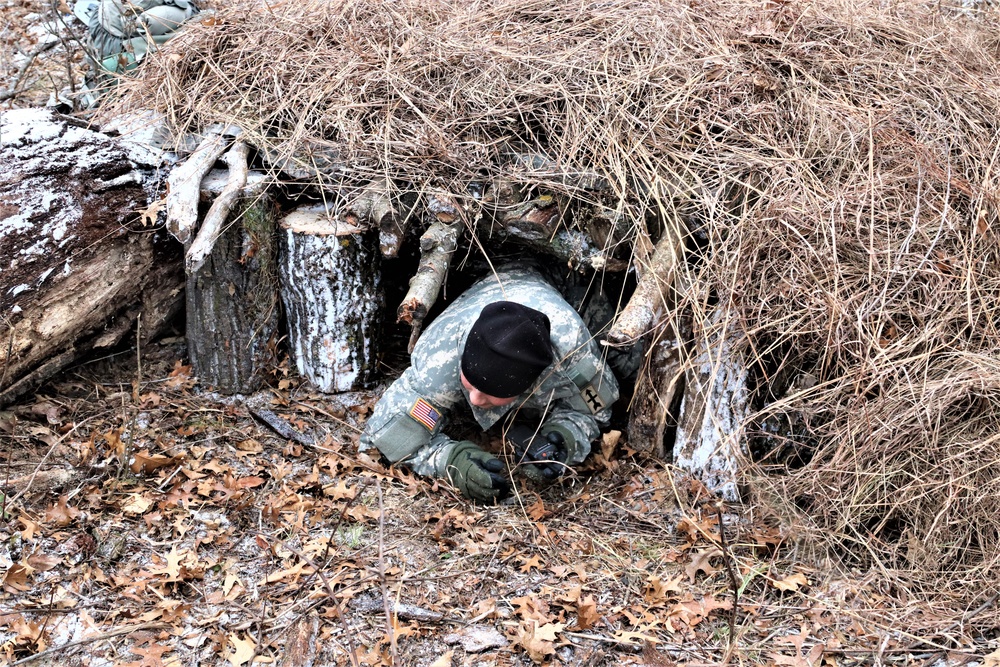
(425, 413)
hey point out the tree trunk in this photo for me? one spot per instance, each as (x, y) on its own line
(232, 298)
(332, 292)
(81, 259)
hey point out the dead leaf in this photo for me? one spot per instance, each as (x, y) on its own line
(529, 564)
(700, 563)
(792, 582)
(136, 503)
(15, 580)
(61, 514)
(658, 591)
(992, 660)
(537, 641)
(242, 650)
(144, 462)
(586, 613)
(444, 660)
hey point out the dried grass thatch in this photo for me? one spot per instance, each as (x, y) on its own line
(841, 159)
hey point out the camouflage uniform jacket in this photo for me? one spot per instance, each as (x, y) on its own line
(573, 395)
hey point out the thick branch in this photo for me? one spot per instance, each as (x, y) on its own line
(437, 246)
(649, 302)
(185, 185)
(211, 227)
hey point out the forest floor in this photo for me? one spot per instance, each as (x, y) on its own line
(146, 522)
(150, 523)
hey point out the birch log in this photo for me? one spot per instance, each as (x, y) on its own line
(710, 432)
(332, 293)
(232, 295)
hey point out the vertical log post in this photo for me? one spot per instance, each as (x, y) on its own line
(232, 292)
(710, 430)
(331, 288)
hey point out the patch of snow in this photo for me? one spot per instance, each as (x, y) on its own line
(14, 291)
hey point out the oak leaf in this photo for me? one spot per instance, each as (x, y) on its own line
(700, 563)
(792, 582)
(242, 650)
(529, 564)
(61, 514)
(586, 613)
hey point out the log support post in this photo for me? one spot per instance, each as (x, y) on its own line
(232, 286)
(332, 293)
(710, 431)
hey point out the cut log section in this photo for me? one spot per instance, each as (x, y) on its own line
(78, 267)
(437, 245)
(331, 288)
(232, 296)
(710, 432)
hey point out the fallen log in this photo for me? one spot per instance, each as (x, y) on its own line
(232, 295)
(331, 288)
(81, 259)
(437, 245)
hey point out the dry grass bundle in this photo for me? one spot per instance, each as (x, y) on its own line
(841, 158)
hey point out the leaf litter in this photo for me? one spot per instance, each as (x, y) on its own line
(183, 531)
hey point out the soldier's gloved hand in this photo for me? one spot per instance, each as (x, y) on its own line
(547, 453)
(477, 474)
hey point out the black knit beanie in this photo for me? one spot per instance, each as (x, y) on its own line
(507, 349)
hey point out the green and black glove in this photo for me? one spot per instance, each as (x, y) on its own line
(541, 453)
(476, 473)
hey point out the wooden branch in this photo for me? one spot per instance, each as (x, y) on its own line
(211, 227)
(651, 298)
(656, 389)
(184, 185)
(543, 168)
(127, 630)
(374, 207)
(437, 245)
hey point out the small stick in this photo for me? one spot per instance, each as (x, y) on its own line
(89, 640)
(211, 226)
(23, 69)
(381, 575)
(728, 560)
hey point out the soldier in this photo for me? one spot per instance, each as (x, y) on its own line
(122, 32)
(510, 345)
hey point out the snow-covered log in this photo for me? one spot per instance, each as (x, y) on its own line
(232, 296)
(710, 432)
(331, 289)
(80, 257)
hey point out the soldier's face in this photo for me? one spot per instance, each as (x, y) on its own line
(481, 400)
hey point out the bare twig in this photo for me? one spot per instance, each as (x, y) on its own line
(90, 640)
(12, 92)
(390, 629)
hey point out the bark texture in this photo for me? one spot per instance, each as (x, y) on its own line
(80, 256)
(710, 432)
(332, 293)
(232, 298)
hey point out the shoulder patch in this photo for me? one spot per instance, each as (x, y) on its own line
(425, 413)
